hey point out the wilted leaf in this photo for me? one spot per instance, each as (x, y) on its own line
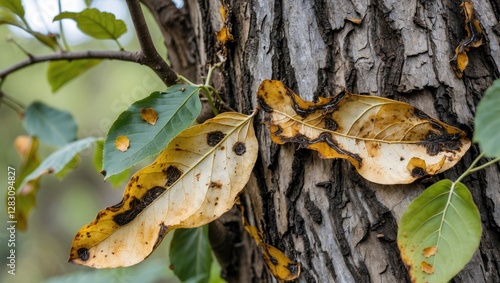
(192, 182)
(487, 121)
(13, 5)
(474, 39)
(100, 25)
(439, 232)
(149, 115)
(279, 264)
(177, 109)
(387, 141)
(61, 72)
(224, 34)
(122, 143)
(191, 254)
(50, 125)
(58, 160)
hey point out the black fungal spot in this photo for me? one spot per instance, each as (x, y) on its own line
(418, 172)
(330, 124)
(331, 106)
(293, 267)
(239, 148)
(103, 173)
(273, 260)
(83, 254)
(173, 173)
(138, 205)
(161, 234)
(213, 138)
(435, 143)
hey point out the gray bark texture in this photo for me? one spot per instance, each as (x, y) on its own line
(321, 213)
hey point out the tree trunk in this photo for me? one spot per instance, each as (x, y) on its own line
(321, 213)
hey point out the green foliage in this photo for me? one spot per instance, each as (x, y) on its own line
(487, 122)
(58, 161)
(7, 17)
(177, 109)
(439, 232)
(13, 5)
(191, 255)
(50, 125)
(99, 25)
(61, 72)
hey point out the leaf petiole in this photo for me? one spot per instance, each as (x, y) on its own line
(473, 169)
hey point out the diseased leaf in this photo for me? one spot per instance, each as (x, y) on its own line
(439, 232)
(122, 143)
(190, 254)
(149, 115)
(192, 182)
(52, 126)
(61, 72)
(177, 109)
(13, 5)
(278, 263)
(474, 39)
(487, 121)
(387, 141)
(58, 161)
(99, 25)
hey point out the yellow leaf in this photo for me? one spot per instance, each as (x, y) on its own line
(474, 39)
(279, 264)
(122, 143)
(149, 115)
(192, 182)
(384, 139)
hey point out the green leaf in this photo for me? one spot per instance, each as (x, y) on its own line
(177, 108)
(61, 72)
(115, 180)
(191, 255)
(7, 17)
(100, 25)
(49, 40)
(14, 5)
(487, 122)
(50, 125)
(439, 232)
(58, 161)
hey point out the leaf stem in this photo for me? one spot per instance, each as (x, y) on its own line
(473, 169)
(491, 162)
(61, 29)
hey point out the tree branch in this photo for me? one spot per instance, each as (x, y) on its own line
(149, 54)
(90, 54)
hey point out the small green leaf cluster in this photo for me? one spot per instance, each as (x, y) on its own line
(441, 229)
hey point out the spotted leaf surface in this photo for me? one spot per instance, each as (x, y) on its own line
(387, 141)
(192, 182)
(439, 232)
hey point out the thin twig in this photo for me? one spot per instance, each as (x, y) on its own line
(90, 54)
(150, 55)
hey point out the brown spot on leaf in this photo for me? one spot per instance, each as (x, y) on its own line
(83, 254)
(161, 234)
(215, 185)
(239, 148)
(173, 174)
(213, 138)
(122, 143)
(430, 251)
(149, 115)
(117, 206)
(427, 267)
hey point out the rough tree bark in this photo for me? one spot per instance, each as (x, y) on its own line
(321, 213)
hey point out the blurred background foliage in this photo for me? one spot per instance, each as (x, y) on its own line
(95, 100)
